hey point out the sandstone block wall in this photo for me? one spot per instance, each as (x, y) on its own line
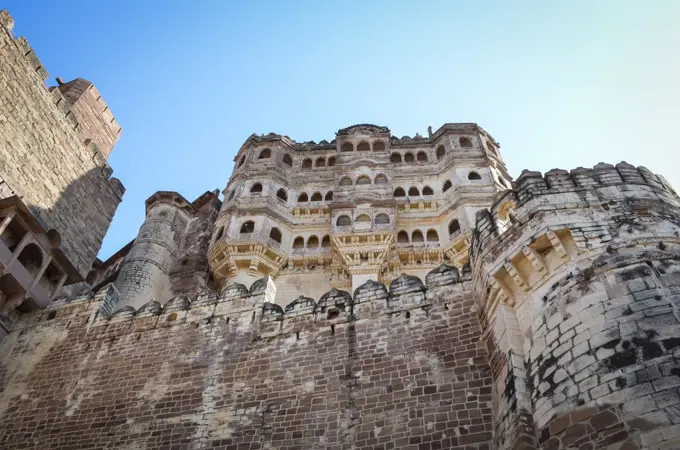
(402, 368)
(44, 160)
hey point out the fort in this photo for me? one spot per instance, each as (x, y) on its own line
(366, 292)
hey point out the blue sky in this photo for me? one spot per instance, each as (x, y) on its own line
(558, 84)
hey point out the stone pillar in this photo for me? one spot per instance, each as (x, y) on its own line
(144, 275)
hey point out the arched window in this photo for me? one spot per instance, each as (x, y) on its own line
(248, 227)
(474, 176)
(331, 161)
(413, 192)
(363, 218)
(326, 241)
(380, 179)
(282, 194)
(432, 236)
(441, 152)
(399, 192)
(265, 154)
(307, 164)
(312, 242)
(257, 188)
(465, 142)
(220, 232)
(31, 258)
(363, 180)
(288, 160)
(378, 146)
(382, 219)
(232, 195)
(408, 158)
(303, 198)
(346, 181)
(417, 236)
(363, 147)
(299, 242)
(320, 162)
(422, 156)
(241, 161)
(427, 190)
(329, 196)
(402, 237)
(316, 197)
(395, 158)
(275, 234)
(447, 186)
(347, 147)
(491, 147)
(454, 226)
(343, 221)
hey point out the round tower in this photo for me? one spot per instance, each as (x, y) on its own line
(144, 275)
(577, 275)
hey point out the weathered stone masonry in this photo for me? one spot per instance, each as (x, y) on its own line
(398, 369)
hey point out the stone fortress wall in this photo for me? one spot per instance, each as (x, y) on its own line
(46, 158)
(546, 316)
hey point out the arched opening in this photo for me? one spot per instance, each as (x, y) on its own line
(363, 147)
(395, 158)
(282, 194)
(491, 147)
(382, 219)
(307, 164)
(299, 242)
(241, 161)
(231, 196)
(275, 234)
(427, 190)
(378, 146)
(320, 162)
(347, 147)
(363, 219)
(465, 142)
(402, 237)
(312, 242)
(447, 186)
(422, 157)
(417, 236)
(331, 161)
(432, 236)
(346, 181)
(329, 196)
(220, 232)
(288, 160)
(316, 197)
(326, 241)
(265, 154)
(363, 180)
(441, 152)
(303, 198)
(31, 258)
(381, 179)
(399, 192)
(408, 158)
(413, 192)
(343, 221)
(474, 176)
(454, 226)
(256, 189)
(248, 227)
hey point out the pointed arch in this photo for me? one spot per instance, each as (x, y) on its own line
(447, 185)
(399, 192)
(331, 161)
(402, 237)
(363, 147)
(382, 219)
(303, 198)
(422, 157)
(256, 188)
(312, 241)
(363, 180)
(427, 190)
(320, 162)
(329, 196)
(343, 221)
(454, 226)
(326, 241)
(380, 179)
(275, 234)
(299, 242)
(288, 160)
(378, 146)
(441, 152)
(474, 176)
(307, 164)
(347, 147)
(346, 181)
(417, 236)
(408, 157)
(432, 235)
(247, 227)
(316, 197)
(395, 158)
(413, 192)
(265, 154)
(282, 194)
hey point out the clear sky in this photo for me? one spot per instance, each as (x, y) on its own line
(558, 84)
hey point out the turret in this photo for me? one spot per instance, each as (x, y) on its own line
(575, 275)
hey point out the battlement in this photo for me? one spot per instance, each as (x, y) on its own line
(253, 309)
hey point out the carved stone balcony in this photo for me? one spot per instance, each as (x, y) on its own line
(459, 245)
(255, 251)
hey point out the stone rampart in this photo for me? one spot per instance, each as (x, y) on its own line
(577, 275)
(398, 367)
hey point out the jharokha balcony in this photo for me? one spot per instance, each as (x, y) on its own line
(32, 266)
(259, 252)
